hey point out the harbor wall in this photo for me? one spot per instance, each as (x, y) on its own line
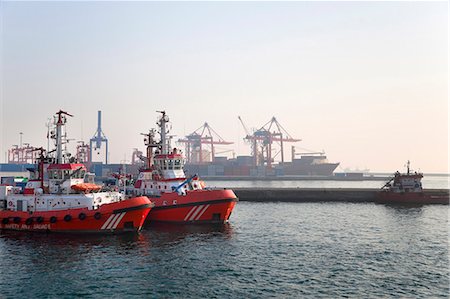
(316, 195)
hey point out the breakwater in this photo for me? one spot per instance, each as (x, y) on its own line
(296, 178)
(317, 195)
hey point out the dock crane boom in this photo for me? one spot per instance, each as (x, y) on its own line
(243, 125)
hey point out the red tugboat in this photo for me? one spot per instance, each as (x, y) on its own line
(57, 199)
(177, 198)
(406, 188)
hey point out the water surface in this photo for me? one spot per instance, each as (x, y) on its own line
(268, 250)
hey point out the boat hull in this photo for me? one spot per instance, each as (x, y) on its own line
(124, 216)
(410, 198)
(199, 206)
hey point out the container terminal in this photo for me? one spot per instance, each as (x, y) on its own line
(201, 151)
(204, 149)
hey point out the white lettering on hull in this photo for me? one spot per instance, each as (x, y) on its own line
(25, 227)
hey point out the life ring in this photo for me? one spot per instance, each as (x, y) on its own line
(53, 219)
(40, 219)
(5, 220)
(10, 203)
(29, 221)
(16, 219)
(98, 215)
(82, 216)
(67, 218)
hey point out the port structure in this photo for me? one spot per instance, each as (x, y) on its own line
(200, 145)
(98, 138)
(24, 154)
(83, 153)
(137, 157)
(265, 140)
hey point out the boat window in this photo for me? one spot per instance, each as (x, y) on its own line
(58, 174)
(164, 164)
(67, 174)
(177, 164)
(170, 166)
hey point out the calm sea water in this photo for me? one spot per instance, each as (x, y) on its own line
(278, 250)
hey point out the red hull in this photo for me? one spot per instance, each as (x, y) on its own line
(123, 216)
(199, 206)
(410, 198)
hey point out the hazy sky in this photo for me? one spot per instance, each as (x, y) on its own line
(365, 81)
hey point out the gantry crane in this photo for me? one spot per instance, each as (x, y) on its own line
(264, 140)
(204, 138)
(24, 154)
(98, 138)
(82, 155)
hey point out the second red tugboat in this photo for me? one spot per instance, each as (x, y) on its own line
(406, 188)
(57, 199)
(177, 198)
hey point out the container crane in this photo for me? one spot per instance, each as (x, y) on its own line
(98, 138)
(22, 154)
(264, 141)
(202, 139)
(82, 154)
(249, 139)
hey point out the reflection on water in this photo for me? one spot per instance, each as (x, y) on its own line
(154, 235)
(405, 209)
(166, 234)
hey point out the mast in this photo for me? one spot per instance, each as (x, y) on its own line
(149, 141)
(59, 123)
(41, 165)
(164, 119)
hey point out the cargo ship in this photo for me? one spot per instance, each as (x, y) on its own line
(57, 198)
(310, 164)
(406, 188)
(177, 198)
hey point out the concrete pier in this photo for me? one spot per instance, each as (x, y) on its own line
(316, 195)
